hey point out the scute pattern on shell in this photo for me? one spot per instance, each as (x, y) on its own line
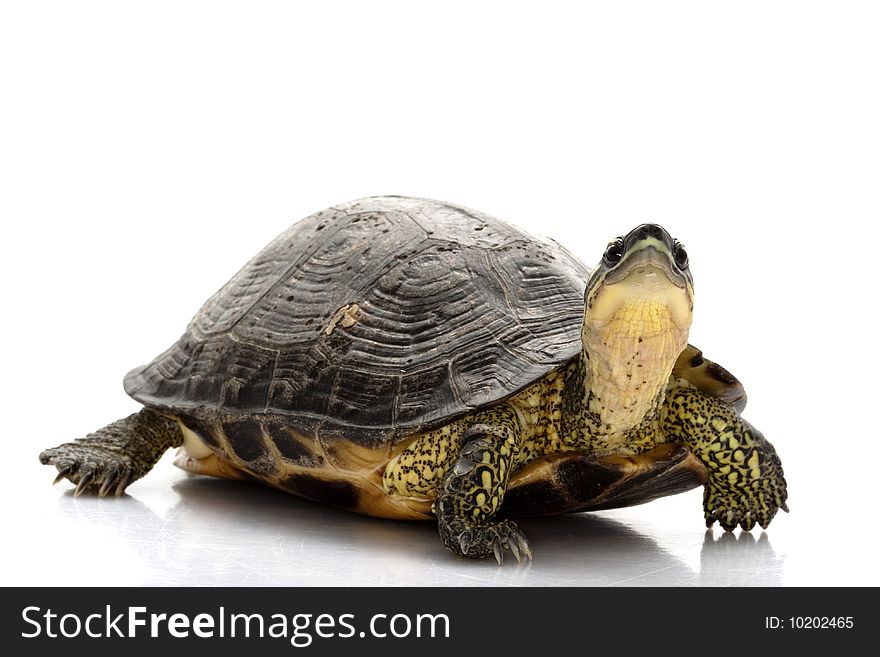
(376, 318)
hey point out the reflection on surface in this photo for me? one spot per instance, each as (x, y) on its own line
(739, 560)
(228, 533)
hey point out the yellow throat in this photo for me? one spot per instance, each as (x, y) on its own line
(634, 330)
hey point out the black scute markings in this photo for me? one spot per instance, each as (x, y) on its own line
(291, 448)
(246, 438)
(575, 482)
(580, 484)
(336, 493)
(398, 346)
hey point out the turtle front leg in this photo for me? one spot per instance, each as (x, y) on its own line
(113, 457)
(473, 488)
(746, 484)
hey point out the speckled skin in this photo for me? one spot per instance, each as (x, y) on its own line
(472, 489)
(746, 484)
(533, 416)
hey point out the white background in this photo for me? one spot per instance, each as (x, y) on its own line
(149, 149)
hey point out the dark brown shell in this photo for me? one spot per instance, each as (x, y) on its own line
(374, 319)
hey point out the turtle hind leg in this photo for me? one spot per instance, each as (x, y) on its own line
(473, 488)
(113, 457)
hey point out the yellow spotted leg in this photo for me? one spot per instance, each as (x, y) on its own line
(473, 488)
(746, 484)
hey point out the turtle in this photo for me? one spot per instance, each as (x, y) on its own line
(409, 358)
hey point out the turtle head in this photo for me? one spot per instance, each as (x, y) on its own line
(646, 268)
(639, 304)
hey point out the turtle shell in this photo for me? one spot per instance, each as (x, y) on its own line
(374, 319)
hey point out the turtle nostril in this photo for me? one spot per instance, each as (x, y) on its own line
(651, 230)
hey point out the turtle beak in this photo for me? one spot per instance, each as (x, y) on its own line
(648, 248)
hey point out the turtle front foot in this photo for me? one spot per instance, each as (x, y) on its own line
(755, 503)
(90, 467)
(479, 541)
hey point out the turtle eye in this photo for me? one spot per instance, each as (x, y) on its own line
(613, 253)
(680, 255)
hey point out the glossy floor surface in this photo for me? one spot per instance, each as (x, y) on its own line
(177, 529)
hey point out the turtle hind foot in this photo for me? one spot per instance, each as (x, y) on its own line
(91, 468)
(480, 541)
(110, 459)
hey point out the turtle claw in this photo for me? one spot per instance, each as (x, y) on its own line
(514, 547)
(479, 541)
(524, 546)
(516, 542)
(110, 480)
(756, 504)
(519, 545)
(65, 468)
(84, 482)
(124, 481)
(90, 468)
